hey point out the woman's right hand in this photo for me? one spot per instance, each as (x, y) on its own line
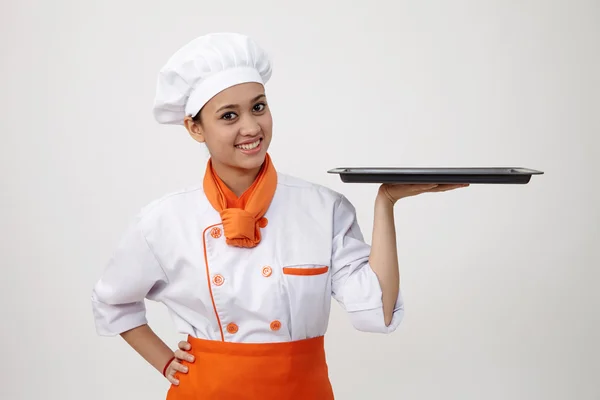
(176, 365)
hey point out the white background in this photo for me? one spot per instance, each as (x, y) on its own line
(500, 282)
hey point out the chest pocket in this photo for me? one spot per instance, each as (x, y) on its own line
(308, 291)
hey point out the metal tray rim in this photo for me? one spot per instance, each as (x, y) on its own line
(433, 171)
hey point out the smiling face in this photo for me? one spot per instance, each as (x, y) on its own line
(236, 126)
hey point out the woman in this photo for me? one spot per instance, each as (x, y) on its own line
(247, 262)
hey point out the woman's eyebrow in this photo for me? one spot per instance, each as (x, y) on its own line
(236, 106)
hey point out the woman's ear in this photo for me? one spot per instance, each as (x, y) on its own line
(194, 129)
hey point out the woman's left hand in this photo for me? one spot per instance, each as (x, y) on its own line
(395, 192)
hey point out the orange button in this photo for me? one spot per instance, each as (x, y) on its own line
(232, 328)
(275, 325)
(263, 222)
(267, 271)
(218, 280)
(215, 232)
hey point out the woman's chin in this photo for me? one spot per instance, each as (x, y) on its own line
(251, 162)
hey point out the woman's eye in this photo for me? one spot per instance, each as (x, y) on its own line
(228, 116)
(259, 107)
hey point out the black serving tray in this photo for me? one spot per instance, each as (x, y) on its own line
(472, 175)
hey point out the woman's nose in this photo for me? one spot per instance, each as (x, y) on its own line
(250, 127)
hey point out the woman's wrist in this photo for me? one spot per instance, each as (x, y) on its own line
(384, 199)
(149, 346)
(164, 371)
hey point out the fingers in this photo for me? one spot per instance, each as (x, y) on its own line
(183, 345)
(172, 379)
(426, 186)
(430, 187)
(177, 366)
(170, 375)
(395, 192)
(446, 187)
(419, 187)
(174, 367)
(412, 187)
(182, 355)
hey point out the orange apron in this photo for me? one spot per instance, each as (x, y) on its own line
(283, 371)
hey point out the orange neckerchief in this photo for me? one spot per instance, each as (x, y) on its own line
(242, 217)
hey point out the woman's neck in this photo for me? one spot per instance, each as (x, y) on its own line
(237, 180)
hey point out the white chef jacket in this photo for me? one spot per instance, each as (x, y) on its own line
(311, 250)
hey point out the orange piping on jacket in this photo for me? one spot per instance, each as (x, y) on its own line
(208, 280)
(305, 271)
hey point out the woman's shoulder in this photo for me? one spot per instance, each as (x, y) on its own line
(293, 185)
(181, 201)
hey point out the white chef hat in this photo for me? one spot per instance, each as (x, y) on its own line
(203, 68)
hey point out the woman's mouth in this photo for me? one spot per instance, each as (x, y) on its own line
(250, 148)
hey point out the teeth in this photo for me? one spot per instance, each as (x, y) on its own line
(249, 146)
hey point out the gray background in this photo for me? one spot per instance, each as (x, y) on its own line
(500, 282)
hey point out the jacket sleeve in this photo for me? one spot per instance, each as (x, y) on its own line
(131, 273)
(355, 285)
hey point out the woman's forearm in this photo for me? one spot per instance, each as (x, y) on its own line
(149, 346)
(384, 254)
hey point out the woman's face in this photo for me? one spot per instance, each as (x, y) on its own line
(236, 126)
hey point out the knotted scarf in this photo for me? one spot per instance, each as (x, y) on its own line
(242, 217)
